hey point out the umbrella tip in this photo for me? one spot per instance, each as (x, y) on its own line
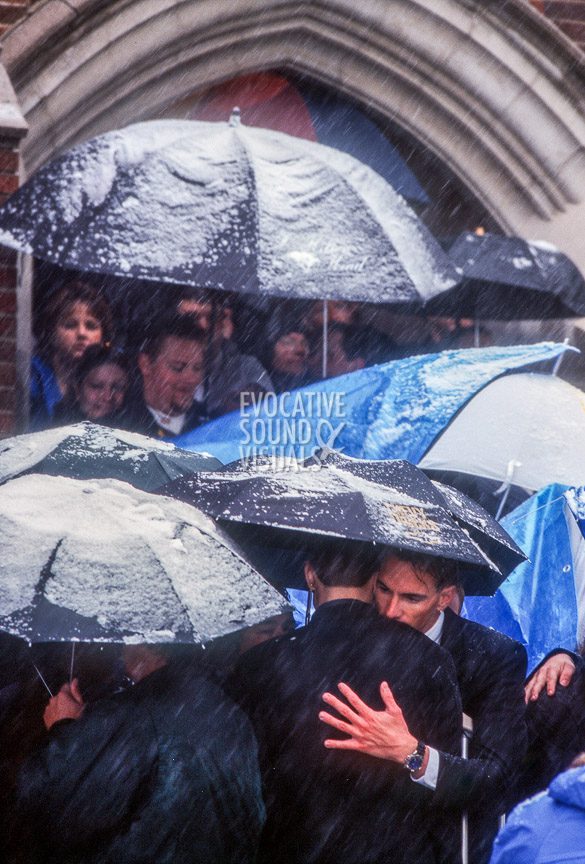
(235, 117)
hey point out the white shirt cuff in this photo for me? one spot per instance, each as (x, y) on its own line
(431, 775)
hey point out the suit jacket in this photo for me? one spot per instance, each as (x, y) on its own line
(138, 418)
(490, 671)
(335, 806)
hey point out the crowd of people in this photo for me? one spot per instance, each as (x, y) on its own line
(339, 742)
(187, 358)
(387, 729)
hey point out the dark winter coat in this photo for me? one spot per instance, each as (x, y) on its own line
(335, 806)
(556, 733)
(490, 671)
(163, 772)
(548, 829)
(138, 418)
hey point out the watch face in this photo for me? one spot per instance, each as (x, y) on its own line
(414, 761)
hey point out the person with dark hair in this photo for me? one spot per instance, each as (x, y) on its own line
(230, 371)
(286, 352)
(555, 721)
(172, 365)
(165, 770)
(417, 591)
(75, 317)
(98, 390)
(322, 806)
(347, 350)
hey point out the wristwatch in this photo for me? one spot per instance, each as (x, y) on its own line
(415, 760)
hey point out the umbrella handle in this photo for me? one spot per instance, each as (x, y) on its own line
(72, 662)
(559, 360)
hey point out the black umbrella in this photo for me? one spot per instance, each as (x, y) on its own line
(508, 278)
(340, 498)
(101, 561)
(87, 450)
(224, 206)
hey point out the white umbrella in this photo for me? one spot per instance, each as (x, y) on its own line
(527, 429)
(98, 560)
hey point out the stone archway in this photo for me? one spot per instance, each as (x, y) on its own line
(493, 89)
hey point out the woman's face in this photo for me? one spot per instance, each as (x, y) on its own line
(291, 353)
(76, 330)
(103, 391)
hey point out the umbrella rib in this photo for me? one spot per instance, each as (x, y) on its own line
(46, 572)
(254, 211)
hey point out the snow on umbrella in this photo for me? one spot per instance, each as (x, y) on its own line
(224, 206)
(527, 429)
(317, 501)
(494, 542)
(87, 450)
(98, 560)
(508, 277)
(272, 101)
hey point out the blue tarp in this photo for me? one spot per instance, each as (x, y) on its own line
(391, 411)
(536, 604)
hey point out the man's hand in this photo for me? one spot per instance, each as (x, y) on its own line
(67, 704)
(558, 669)
(378, 733)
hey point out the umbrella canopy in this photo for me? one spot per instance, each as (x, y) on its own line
(272, 101)
(508, 278)
(537, 604)
(493, 540)
(87, 450)
(335, 499)
(392, 411)
(528, 429)
(98, 560)
(224, 206)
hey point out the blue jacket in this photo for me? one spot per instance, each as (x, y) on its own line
(547, 829)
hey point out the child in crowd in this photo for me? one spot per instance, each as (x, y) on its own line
(76, 317)
(99, 389)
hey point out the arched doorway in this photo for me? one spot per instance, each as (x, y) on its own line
(491, 95)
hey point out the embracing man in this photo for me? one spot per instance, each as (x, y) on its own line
(418, 590)
(324, 807)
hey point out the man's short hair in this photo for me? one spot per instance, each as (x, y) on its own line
(345, 564)
(179, 326)
(443, 571)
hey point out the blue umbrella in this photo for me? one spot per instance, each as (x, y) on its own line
(394, 410)
(537, 603)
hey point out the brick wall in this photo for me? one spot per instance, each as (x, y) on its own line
(8, 281)
(568, 15)
(12, 11)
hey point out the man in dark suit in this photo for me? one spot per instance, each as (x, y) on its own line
(349, 808)
(490, 667)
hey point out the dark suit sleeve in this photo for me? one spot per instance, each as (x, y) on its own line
(493, 695)
(88, 777)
